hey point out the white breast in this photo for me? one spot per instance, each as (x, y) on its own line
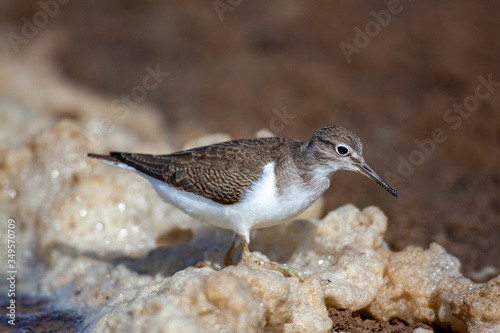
(259, 207)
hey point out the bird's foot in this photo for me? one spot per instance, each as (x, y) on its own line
(228, 258)
(248, 258)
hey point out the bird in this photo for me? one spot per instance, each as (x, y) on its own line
(248, 184)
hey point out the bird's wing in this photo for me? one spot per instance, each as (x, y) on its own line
(220, 172)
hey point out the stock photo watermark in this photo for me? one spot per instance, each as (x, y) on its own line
(453, 117)
(31, 27)
(121, 108)
(372, 29)
(221, 7)
(11, 271)
(280, 120)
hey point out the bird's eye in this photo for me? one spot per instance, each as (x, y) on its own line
(342, 150)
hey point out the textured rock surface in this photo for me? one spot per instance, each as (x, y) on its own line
(98, 239)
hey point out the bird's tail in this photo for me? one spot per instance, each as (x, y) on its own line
(109, 158)
(151, 165)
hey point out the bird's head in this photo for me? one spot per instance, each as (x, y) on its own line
(337, 148)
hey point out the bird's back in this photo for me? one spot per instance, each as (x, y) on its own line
(221, 172)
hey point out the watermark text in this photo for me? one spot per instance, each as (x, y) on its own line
(372, 29)
(221, 7)
(31, 27)
(453, 117)
(11, 271)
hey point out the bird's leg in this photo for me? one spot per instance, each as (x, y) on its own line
(248, 258)
(228, 258)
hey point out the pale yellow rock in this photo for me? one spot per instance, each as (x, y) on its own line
(354, 279)
(80, 201)
(410, 281)
(271, 289)
(309, 311)
(342, 250)
(467, 306)
(237, 299)
(146, 312)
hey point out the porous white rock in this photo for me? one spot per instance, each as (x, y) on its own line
(410, 281)
(72, 206)
(309, 312)
(237, 299)
(342, 249)
(467, 306)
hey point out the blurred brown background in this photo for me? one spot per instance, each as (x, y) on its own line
(232, 66)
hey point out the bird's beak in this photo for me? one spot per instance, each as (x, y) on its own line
(367, 171)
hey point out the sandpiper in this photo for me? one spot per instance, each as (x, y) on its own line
(247, 184)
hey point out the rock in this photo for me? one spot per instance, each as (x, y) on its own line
(409, 284)
(466, 306)
(309, 312)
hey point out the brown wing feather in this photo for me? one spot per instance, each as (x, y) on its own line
(220, 172)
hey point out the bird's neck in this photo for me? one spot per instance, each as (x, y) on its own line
(305, 169)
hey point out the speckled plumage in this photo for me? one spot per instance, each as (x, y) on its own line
(221, 172)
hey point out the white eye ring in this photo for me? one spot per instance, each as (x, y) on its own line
(342, 150)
